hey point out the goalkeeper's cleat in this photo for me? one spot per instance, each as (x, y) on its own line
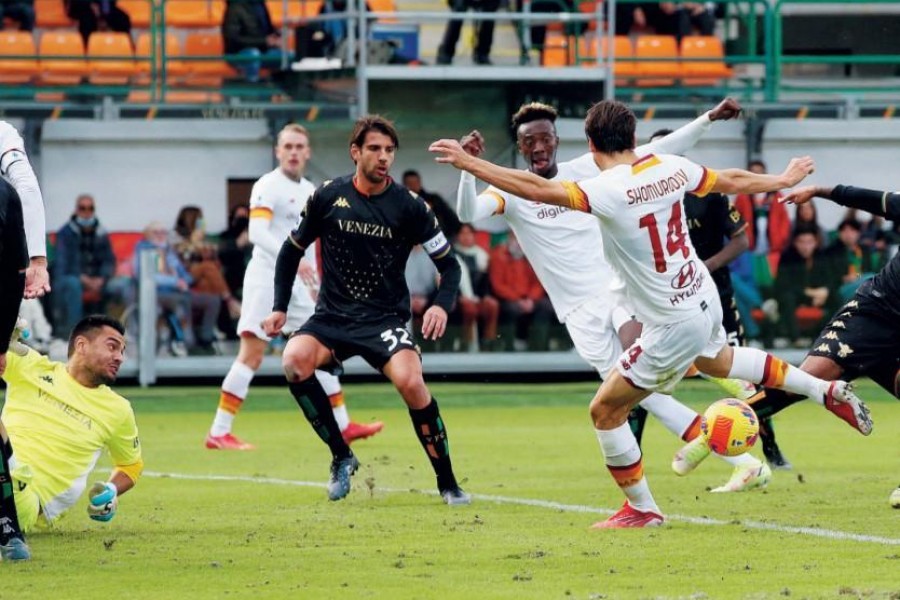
(747, 478)
(15, 550)
(690, 455)
(341, 471)
(629, 517)
(360, 431)
(456, 497)
(227, 442)
(840, 399)
(895, 498)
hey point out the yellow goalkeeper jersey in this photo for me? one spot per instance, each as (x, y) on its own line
(58, 427)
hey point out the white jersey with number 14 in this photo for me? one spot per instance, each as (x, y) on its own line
(645, 234)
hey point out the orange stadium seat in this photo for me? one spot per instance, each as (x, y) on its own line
(174, 66)
(208, 72)
(703, 73)
(217, 12)
(648, 70)
(51, 13)
(556, 52)
(138, 10)
(189, 13)
(587, 51)
(62, 71)
(589, 8)
(110, 72)
(383, 6)
(17, 70)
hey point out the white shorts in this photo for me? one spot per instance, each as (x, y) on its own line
(591, 328)
(257, 302)
(658, 359)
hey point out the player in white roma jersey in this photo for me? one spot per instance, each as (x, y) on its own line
(638, 202)
(580, 290)
(276, 202)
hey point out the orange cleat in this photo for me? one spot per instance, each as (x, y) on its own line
(840, 400)
(227, 442)
(629, 517)
(360, 431)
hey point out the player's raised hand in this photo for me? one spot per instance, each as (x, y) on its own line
(103, 501)
(473, 143)
(274, 323)
(37, 279)
(434, 323)
(801, 195)
(729, 108)
(450, 152)
(797, 170)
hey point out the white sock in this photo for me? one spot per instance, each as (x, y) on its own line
(235, 387)
(620, 449)
(770, 371)
(341, 416)
(675, 416)
(332, 386)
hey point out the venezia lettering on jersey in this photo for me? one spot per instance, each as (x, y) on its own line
(370, 229)
(66, 409)
(657, 189)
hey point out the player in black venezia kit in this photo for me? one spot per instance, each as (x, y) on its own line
(367, 226)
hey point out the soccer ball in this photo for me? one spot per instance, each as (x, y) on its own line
(730, 427)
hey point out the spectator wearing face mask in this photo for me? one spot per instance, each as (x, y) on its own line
(523, 301)
(83, 266)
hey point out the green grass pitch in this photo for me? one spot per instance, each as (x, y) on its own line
(211, 524)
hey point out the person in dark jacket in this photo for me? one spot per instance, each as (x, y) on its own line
(94, 15)
(83, 267)
(247, 30)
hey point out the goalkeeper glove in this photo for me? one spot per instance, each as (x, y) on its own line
(20, 333)
(103, 501)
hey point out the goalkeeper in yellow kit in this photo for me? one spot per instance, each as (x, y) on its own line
(60, 417)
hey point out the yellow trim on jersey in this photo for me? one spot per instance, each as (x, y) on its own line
(577, 198)
(294, 242)
(706, 183)
(261, 212)
(133, 471)
(501, 202)
(644, 163)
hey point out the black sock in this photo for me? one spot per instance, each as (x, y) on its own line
(770, 401)
(431, 432)
(316, 406)
(636, 420)
(9, 519)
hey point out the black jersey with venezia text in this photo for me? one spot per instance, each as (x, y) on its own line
(711, 221)
(365, 242)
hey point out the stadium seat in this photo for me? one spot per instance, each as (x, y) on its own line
(649, 71)
(217, 12)
(206, 73)
(17, 70)
(703, 73)
(589, 7)
(189, 13)
(62, 71)
(138, 10)
(556, 52)
(110, 72)
(587, 51)
(51, 13)
(175, 68)
(383, 6)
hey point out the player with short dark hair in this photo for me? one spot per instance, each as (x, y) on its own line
(367, 225)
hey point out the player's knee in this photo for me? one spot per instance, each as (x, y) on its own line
(411, 385)
(297, 364)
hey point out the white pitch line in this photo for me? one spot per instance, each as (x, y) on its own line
(578, 508)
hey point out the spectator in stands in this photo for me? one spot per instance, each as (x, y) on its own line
(20, 11)
(523, 301)
(538, 31)
(681, 18)
(247, 31)
(768, 222)
(852, 262)
(98, 15)
(807, 218)
(482, 52)
(805, 280)
(477, 306)
(235, 248)
(446, 216)
(83, 266)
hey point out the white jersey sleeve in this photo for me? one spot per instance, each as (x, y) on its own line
(471, 206)
(679, 141)
(262, 210)
(15, 168)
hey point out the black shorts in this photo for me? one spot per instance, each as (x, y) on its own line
(376, 343)
(731, 321)
(862, 337)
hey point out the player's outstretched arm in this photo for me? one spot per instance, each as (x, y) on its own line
(877, 202)
(739, 181)
(686, 137)
(470, 206)
(513, 181)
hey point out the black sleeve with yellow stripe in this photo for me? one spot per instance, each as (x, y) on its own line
(885, 204)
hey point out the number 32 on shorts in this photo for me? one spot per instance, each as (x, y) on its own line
(390, 336)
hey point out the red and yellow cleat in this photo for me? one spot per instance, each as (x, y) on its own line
(840, 400)
(629, 517)
(227, 442)
(360, 431)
